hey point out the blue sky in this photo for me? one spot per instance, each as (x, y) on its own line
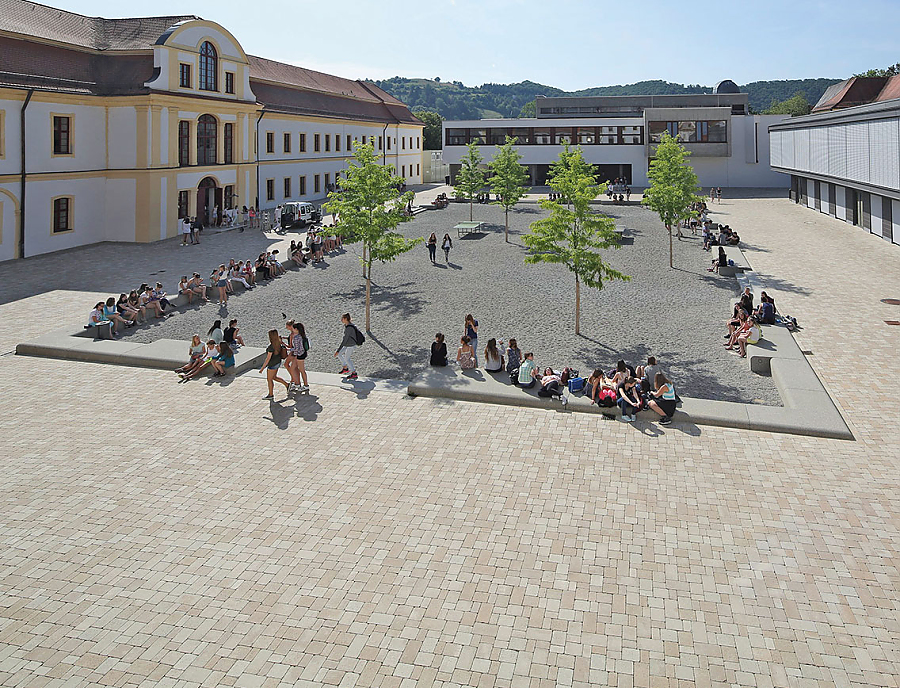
(568, 43)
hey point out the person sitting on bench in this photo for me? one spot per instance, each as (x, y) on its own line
(98, 319)
(527, 371)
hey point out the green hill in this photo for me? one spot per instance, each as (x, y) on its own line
(454, 100)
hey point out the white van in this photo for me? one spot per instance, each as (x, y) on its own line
(299, 214)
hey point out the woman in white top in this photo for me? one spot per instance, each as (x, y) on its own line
(196, 352)
(493, 359)
(215, 332)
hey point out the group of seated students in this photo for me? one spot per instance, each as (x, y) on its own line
(134, 307)
(218, 352)
(646, 387)
(130, 309)
(318, 243)
(744, 324)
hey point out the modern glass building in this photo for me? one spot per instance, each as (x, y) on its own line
(619, 134)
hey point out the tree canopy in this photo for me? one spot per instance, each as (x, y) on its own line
(797, 104)
(673, 185)
(573, 235)
(470, 179)
(369, 207)
(432, 133)
(508, 178)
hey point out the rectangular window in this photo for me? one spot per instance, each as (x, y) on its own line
(270, 189)
(229, 82)
(327, 181)
(632, 135)
(327, 143)
(303, 185)
(317, 146)
(317, 186)
(562, 136)
(287, 187)
(287, 142)
(184, 71)
(887, 218)
(543, 137)
(302, 143)
(62, 140)
(456, 137)
(417, 170)
(184, 143)
(389, 142)
(718, 132)
(657, 129)
(349, 144)
(418, 142)
(364, 140)
(61, 220)
(337, 143)
(403, 172)
(183, 199)
(586, 136)
(228, 135)
(403, 142)
(520, 135)
(380, 142)
(229, 197)
(270, 142)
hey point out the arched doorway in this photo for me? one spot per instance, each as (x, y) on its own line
(209, 202)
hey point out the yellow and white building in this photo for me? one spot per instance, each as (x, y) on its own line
(130, 124)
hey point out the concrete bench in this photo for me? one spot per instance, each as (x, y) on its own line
(812, 415)
(163, 354)
(102, 330)
(624, 235)
(733, 253)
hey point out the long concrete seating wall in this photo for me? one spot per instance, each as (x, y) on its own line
(808, 408)
(85, 344)
(734, 254)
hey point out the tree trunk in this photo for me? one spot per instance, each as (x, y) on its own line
(669, 227)
(577, 306)
(471, 202)
(507, 225)
(368, 296)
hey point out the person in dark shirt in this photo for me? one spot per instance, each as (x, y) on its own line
(438, 351)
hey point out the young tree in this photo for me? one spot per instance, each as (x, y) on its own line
(370, 207)
(673, 186)
(508, 179)
(573, 235)
(470, 178)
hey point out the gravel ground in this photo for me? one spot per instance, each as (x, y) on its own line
(676, 315)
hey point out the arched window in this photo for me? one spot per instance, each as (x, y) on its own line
(209, 67)
(206, 140)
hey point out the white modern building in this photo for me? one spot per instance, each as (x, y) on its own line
(844, 158)
(130, 124)
(618, 134)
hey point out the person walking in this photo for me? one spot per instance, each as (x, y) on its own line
(185, 231)
(447, 244)
(471, 328)
(296, 360)
(195, 230)
(432, 246)
(351, 339)
(275, 353)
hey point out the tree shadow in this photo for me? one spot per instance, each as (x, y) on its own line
(390, 300)
(402, 363)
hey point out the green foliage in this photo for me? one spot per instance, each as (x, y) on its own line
(573, 235)
(370, 207)
(673, 185)
(432, 133)
(470, 179)
(508, 178)
(528, 110)
(893, 70)
(796, 105)
(453, 100)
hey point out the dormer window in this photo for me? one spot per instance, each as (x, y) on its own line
(209, 67)
(185, 75)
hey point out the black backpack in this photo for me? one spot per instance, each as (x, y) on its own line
(360, 337)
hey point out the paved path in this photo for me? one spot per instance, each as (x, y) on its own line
(164, 535)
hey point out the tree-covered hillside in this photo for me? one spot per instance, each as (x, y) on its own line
(453, 100)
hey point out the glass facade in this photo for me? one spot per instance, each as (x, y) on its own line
(690, 131)
(547, 136)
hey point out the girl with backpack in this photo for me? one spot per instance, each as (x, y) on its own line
(296, 360)
(275, 354)
(352, 338)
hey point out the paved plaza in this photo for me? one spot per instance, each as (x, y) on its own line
(157, 535)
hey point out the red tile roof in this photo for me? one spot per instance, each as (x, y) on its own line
(33, 19)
